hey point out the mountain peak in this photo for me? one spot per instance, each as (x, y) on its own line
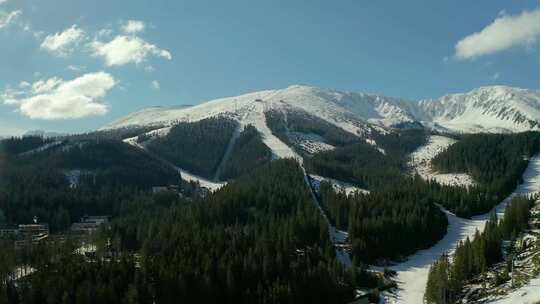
(485, 109)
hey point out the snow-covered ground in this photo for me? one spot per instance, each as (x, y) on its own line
(487, 109)
(372, 142)
(206, 183)
(525, 267)
(420, 162)
(529, 293)
(334, 107)
(257, 118)
(340, 238)
(338, 186)
(154, 133)
(311, 143)
(412, 274)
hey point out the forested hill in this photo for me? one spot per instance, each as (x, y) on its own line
(490, 158)
(495, 161)
(66, 181)
(197, 146)
(260, 239)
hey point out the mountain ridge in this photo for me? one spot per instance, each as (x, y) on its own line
(496, 109)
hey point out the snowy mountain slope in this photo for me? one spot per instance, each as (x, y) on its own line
(420, 162)
(149, 116)
(250, 109)
(337, 108)
(487, 109)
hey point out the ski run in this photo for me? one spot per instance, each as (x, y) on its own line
(412, 274)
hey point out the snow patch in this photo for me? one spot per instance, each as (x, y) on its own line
(338, 186)
(309, 142)
(206, 183)
(420, 162)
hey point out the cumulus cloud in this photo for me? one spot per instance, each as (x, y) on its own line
(63, 43)
(503, 33)
(55, 98)
(155, 85)
(133, 27)
(8, 18)
(126, 49)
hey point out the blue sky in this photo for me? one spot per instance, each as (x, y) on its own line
(74, 66)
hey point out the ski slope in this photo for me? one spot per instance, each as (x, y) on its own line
(412, 274)
(206, 183)
(420, 162)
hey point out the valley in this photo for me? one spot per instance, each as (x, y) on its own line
(387, 193)
(412, 275)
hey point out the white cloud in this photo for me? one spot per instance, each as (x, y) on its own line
(46, 86)
(56, 98)
(155, 85)
(104, 33)
(63, 43)
(133, 27)
(503, 33)
(127, 49)
(7, 18)
(76, 68)
(496, 76)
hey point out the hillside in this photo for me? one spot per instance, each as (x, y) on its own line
(496, 109)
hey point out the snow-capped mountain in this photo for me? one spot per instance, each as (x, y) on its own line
(486, 109)
(491, 109)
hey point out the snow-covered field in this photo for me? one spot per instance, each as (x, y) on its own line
(412, 274)
(420, 162)
(338, 186)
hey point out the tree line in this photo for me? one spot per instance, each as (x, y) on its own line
(495, 161)
(473, 257)
(260, 239)
(198, 146)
